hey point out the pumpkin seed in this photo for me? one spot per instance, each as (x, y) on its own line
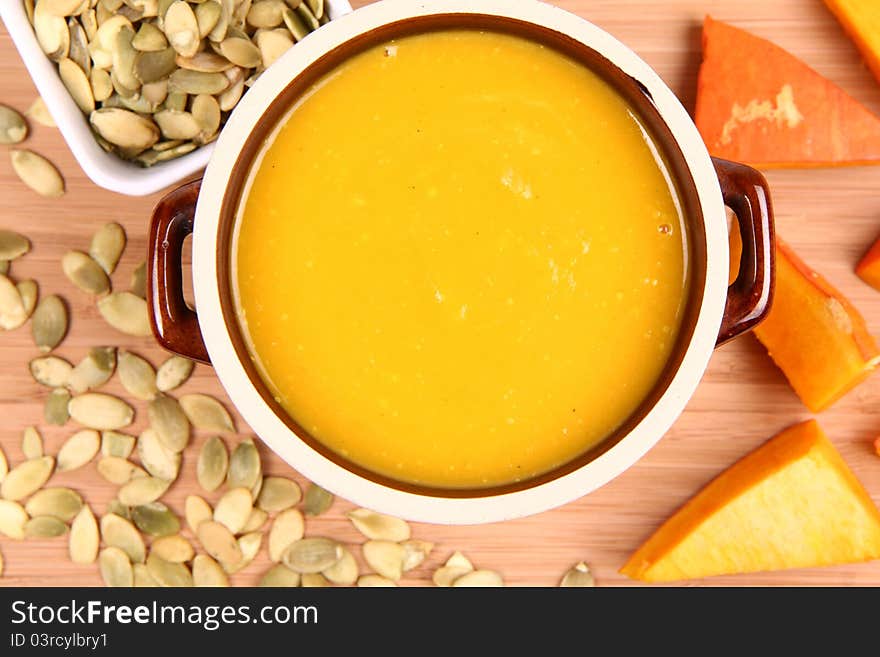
(77, 83)
(317, 500)
(169, 422)
(168, 574)
(313, 580)
(305, 12)
(207, 572)
(295, 24)
(83, 541)
(4, 267)
(379, 526)
(479, 578)
(173, 373)
(312, 555)
(176, 125)
(31, 443)
(196, 511)
(79, 46)
(142, 576)
(456, 566)
(119, 471)
(116, 444)
(97, 410)
(13, 129)
(61, 7)
(234, 508)
(182, 29)
(288, 527)
(107, 31)
(13, 519)
(155, 519)
(123, 56)
(40, 113)
(280, 576)
(85, 273)
(219, 542)
(578, 575)
(138, 286)
(55, 411)
(143, 490)
(28, 292)
(37, 173)
(158, 460)
(149, 38)
(155, 93)
(126, 312)
(278, 493)
(212, 464)
(197, 82)
(4, 465)
(49, 323)
(205, 412)
(249, 544)
(26, 478)
(175, 100)
(265, 14)
(174, 548)
(415, 552)
(206, 62)
(152, 66)
(257, 488)
(273, 44)
(255, 521)
(118, 508)
(50, 371)
(317, 8)
(137, 376)
(207, 16)
(51, 30)
(124, 128)
(61, 503)
(44, 527)
(385, 557)
(12, 311)
(218, 32)
(229, 98)
(374, 581)
(107, 246)
(344, 571)
(241, 52)
(245, 469)
(206, 112)
(94, 370)
(78, 450)
(122, 534)
(12, 245)
(152, 156)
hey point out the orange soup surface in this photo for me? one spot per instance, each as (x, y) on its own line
(460, 261)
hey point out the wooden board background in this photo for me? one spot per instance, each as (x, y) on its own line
(829, 216)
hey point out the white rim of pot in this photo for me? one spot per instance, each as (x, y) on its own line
(421, 507)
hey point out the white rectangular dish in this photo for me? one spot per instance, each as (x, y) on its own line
(104, 169)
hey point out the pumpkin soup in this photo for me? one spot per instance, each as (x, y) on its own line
(460, 260)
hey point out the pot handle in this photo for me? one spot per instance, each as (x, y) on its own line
(745, 191)
(174, 324)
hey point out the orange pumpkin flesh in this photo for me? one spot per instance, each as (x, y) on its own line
(815, 335)
(758, 104)
(791, 503)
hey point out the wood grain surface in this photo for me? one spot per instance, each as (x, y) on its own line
(829, 216)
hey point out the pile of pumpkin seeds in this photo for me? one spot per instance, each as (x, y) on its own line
(139, 540)
(157, 78)
(34, 170)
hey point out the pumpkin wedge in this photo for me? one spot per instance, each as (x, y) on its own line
(758, 104)
(814, 334)
(868, 268)
(791, 503)
(861, 20)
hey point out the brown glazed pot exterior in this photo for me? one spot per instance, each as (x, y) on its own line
(709, 319)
